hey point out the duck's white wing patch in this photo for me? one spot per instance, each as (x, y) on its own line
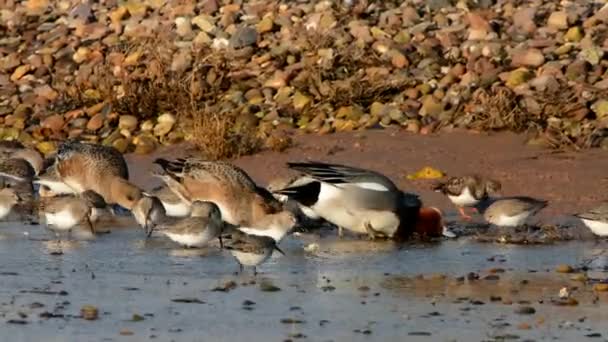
(366, 185)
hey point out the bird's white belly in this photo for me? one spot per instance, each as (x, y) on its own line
(62, 220)
(381, 221)
(5, 210)
(510, 221)
(274, 231)
(189, 240)
(465, 199)
(179, 209)
(597, 227)
(251, 259)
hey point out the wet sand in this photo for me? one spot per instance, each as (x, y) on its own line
(330, 289)
(571, 180)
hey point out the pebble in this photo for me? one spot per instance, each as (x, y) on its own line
(425, 63)
(525, 310)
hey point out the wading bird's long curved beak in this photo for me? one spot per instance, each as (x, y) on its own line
(148, 228)
(278, 249)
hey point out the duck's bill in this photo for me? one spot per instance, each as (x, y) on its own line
(448, 233)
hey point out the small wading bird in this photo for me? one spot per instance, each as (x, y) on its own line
(510, 211)
(62, 213)
(596, 219)
(203, 225)
(250, 250)
(468, 191)
(359, 200)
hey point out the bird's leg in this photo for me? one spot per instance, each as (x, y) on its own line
(221, 242)
(370, 231)
(340, 232)
(90, 224)
(240, 268)
(255, 271)
(464, 215)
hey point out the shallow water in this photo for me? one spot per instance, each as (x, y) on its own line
(342, 290)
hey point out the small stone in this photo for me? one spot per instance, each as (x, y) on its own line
(20, 72)
(267, 286)
(529, 57)
(265, 25)
(563, 268)
(182, 60)
(147, 125)
(81, 55)
(121, 144)
(46, 147)
(144, 144)
(46, 92)
(162, 128)
(600, 108)
(525, 310)
(183, 26)
(398, 59)
(519, 76)
(300, 101)
(593, 55)
(574, 34)
(244, 36)
(54, 123)
(89, 312)
(278, 80)
(204, 22)
(601, 287)
(127, 122)
(96, 122)
(558, 20)
(430, 106)
(136, 8)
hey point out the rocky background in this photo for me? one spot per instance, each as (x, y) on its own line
(235, 76)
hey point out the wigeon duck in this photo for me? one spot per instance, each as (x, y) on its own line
(359, 200)
(596, 219)
(510, 211)
(62, 213)
(467, 191)
(83, 166)
(241, 202)
(249, 249)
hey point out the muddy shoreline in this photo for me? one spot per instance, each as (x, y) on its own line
(571, 181)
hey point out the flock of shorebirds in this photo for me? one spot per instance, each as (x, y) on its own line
(204, 202)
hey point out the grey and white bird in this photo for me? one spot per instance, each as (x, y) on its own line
(250, 250)
(359, 200)
(596, 219)
(510, 211)
(63, 213)
(202, 226)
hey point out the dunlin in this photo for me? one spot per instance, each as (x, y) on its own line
(99, 168)
(596, 219)
(241, 202)
(62, 213)
(149, 212)
(467, 191)
(510, 211)
(359, 200)
(250, 250)
(204, 225)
